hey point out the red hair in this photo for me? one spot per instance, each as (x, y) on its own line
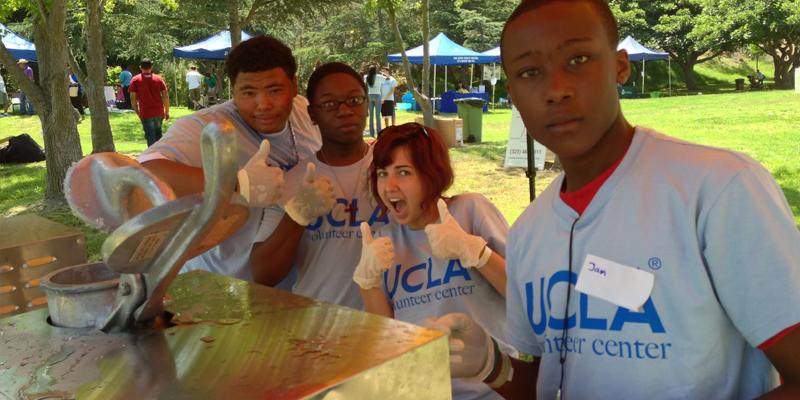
(428, 153)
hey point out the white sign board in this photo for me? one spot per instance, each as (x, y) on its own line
(517, 148)
(797, 79)
(491, 72)
(110, 95)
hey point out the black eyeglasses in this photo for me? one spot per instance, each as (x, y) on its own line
(332, 105)
(419, 127)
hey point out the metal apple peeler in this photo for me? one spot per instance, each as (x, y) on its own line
(148, 249)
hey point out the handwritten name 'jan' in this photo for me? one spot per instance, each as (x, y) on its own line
(594, 268)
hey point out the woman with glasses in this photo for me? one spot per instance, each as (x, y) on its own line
(438, 254)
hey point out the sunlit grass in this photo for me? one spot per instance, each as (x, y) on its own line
(760, 124)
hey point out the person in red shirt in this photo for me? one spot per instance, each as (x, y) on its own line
(149, 100)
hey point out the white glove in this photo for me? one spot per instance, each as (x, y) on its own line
(471, 348)
(377, 256)
(314, 199)
(260, 184)
(449, 241)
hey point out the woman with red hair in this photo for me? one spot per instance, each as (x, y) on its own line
(437, 255)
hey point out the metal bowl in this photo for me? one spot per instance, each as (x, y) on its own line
(81, 296)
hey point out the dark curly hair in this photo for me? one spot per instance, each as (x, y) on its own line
(261, 53)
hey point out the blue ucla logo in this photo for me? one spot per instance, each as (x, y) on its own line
(378, 215)
(411, 282)
(582, 318)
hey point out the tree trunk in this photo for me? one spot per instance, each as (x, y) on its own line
(102, 139)
(62, 145)
(234, 23)
(688, 73)
(785, 57)
(420, 98)
(427, 108)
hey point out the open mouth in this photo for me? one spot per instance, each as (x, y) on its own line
(398, 206)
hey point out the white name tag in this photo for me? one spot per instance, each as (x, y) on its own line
(616, 283)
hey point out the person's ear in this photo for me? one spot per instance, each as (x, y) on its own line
(508, 90)
(294, 86)
(623, 66)
(311, 115)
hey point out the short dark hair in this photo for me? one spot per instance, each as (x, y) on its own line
(328, 69)
(600, 6)
(146, 63)
(428, 154)
(261, 53)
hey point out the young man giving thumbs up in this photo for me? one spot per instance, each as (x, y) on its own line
(326, 198)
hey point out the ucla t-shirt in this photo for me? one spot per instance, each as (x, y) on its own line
(330, 248)
(420, 286)
(716, 233)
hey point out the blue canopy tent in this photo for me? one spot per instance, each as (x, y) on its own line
(214, 47)
(211, 48)
(17, 45)
(637, 52)
(494, 53)
(442, 51)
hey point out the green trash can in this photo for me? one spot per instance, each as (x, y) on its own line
(626, 92)
(470, 110)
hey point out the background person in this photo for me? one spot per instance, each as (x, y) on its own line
(25, 105)
(706, 233)
(77, 99)
(317, 230)
(4, 99)
(194, 81)
(150, 101)
(374, 82)
(387, 96)
(265, 109)
(437, 255)
(125, 77)
(210, 84)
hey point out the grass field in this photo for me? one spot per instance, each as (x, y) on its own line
(760, 124)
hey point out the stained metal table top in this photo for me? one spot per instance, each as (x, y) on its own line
(232, 339)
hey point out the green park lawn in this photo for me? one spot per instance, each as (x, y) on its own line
(760, 124)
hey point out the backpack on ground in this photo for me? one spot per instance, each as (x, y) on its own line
(21, 149)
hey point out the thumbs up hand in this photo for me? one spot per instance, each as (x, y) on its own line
(314, 199)
(448, 240)
(377, 256)
(471, 348)
(260, 184)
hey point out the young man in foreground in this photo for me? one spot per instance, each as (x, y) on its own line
(652, 268)
(268, 115)
(318, 228)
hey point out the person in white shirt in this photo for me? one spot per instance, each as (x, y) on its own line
(387, 96)
(374, 82)
(438, 254)
(4, 101)
(265, 110)
(194, 81)
(326, 198)
(651, 268)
